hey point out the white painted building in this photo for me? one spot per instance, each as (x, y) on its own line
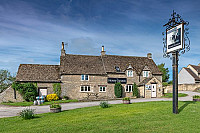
(189, 75)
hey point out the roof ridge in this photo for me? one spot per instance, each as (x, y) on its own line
(40, 64)
(107, 55)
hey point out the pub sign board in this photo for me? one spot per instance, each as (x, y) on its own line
(115, 80)
(175, 38)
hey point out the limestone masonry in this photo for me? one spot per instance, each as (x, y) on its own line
(94, 77)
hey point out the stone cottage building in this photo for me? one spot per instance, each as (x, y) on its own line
(86, 76)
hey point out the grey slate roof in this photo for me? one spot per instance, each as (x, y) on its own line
(197, 68)
(38, 73)
(192, 74)
(85, 64)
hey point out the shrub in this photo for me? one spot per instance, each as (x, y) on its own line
(66, 97)
(126, 98)
(52, 97)
(57, 89)
(55, 106)
(135, 90)
(196, 97)
(27, 113)
(118, 90)
(104, 104)
(27, 90)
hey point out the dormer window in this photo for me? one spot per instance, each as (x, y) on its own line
(129, 73)
(117, 68)
(145, 73)
(85, 77)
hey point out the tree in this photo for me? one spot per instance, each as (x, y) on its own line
(118, 90)
(135, 90)
(6, 79)
(165, 71)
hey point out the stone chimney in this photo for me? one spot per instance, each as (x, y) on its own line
(102, 51)
(63, 49)
(199, 64)
(149, 55)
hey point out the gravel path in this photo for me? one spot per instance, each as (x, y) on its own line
(8, 111)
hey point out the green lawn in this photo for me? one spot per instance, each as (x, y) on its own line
(170, 95)
(31, 103)
(146, 117)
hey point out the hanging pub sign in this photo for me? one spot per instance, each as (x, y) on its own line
(115, 80)
(175, 38)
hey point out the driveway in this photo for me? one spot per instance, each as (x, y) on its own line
(8, 111)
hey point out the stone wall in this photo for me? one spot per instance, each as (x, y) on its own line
(8, 95)
(49, 87)
(71, 85)
(182, 87)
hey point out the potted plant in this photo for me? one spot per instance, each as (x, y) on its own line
(54, 108)
(196, 98)
(126, 100)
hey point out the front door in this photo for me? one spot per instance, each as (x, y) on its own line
(153, 90)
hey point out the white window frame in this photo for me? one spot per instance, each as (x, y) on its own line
(85, 88)
(145, 73)
(129, 88)
(129, 73)
(102, 89)
(84, 77)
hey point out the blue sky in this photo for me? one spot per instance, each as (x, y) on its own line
(32, 31)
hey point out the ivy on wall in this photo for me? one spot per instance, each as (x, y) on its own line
(57, 89)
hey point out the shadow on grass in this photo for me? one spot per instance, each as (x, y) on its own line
(185, 105)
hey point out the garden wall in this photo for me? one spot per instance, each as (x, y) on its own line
(8, 95)
(182, 87)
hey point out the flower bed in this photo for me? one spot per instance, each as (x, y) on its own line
(196, 98)
(126, 100)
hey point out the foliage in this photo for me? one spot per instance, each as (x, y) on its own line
(165, 71)
(145, 117)
(118, 90)
(27, 90)
(65, 97)
(57, 89)
(27, 113)
(196, 97)
(52, 97)
(170, 95)
(6, 79)
(104, 104)
(31, 103)
(55, 106)
(135, 90)
(126, 98)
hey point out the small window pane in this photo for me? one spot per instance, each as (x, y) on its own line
(88, 88)
(104, 88)
(100, 89)
(82, 77)
(86, 77)
(82, 88)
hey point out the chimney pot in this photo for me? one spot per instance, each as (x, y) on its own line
(63, 49)
(149, 55)
(63, 45)
(102, 51)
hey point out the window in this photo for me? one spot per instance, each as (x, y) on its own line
(145, 73)
(129, 88)
(85, 89)
(129, 73)
(117, 68)
(102, 89)
(84, 77)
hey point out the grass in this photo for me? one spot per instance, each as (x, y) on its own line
(170, 95)
(137, 117)
(31, 103)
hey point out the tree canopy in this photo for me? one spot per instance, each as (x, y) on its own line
(165, 71)
(6, 79)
